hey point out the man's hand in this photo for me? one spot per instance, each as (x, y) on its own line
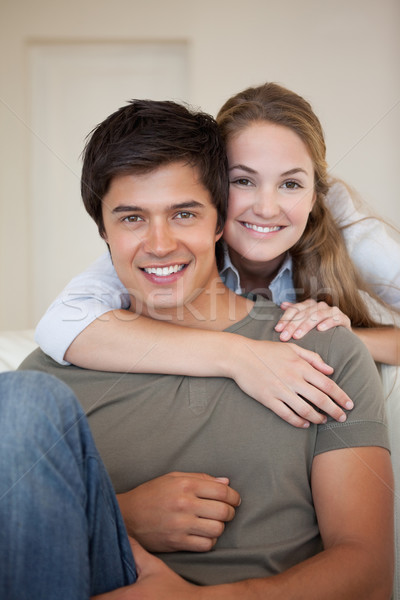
(155, 581)
(279, 375)
(179, 511)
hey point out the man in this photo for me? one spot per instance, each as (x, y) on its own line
(315, 518)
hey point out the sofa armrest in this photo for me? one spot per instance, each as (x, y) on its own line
(14, 347)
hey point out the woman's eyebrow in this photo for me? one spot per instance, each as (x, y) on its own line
(284, 174)
(294, 171)
(242, 168)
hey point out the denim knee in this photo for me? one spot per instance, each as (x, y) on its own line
(29, 397)
(38, 415)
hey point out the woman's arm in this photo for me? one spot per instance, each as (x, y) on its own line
(86, 326)
(277, 375)
(87, 297)
(298, 319)
(382, 342)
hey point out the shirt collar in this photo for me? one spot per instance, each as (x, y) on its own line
(281, 286)
(229, 273)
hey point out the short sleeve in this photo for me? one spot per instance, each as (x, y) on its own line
(356, 373)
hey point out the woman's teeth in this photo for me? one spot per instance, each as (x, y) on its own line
(163, 271)
(261, 229)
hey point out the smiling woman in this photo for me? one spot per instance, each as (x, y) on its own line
(271, 196)
(279, 178)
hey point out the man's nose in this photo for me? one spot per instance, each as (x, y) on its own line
(160, 240)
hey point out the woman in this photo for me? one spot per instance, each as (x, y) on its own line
(280, 240)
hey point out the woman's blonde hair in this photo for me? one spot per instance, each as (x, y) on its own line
(322, 268)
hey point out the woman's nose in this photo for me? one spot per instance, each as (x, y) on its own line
(267, 204)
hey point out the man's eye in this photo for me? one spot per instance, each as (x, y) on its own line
(291, 185)
(132, 219)
(184, 215)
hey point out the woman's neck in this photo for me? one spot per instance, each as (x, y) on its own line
(256, 276)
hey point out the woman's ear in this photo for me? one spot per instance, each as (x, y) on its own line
(314, 199)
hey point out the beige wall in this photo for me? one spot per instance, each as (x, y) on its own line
(343, 55)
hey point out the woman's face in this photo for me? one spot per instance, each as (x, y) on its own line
(271, 192)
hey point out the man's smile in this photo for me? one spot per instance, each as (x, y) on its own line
(164, 271)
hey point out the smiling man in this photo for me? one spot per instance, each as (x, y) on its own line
(183, 453)
(164, 248)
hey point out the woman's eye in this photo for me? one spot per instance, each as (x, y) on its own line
(242, 181)
(132, 219)
(291, 185)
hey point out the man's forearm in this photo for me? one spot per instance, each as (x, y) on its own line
(345, 571)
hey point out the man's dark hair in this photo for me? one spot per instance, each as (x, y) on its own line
(144, 135)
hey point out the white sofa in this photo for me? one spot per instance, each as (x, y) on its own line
(16, 345)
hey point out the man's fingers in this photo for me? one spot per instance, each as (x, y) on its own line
(207, 487)
(140, 555)
(198, 543)
(217, 511)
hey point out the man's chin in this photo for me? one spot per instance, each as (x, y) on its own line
(167, 310)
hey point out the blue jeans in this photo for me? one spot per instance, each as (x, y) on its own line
(61, 533)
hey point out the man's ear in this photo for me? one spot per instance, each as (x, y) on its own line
(218, 236)
(103, 235)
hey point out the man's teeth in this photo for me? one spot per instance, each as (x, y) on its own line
(261, 229)
(163, 271)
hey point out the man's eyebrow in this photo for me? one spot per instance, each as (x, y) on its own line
(122, 208)
(126, 208)
(186, 204)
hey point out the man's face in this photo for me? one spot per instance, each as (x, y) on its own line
(161, 230)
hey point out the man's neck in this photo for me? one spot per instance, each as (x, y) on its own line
(215, 308)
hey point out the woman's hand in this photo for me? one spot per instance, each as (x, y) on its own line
(290, 380)
(298, 319)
